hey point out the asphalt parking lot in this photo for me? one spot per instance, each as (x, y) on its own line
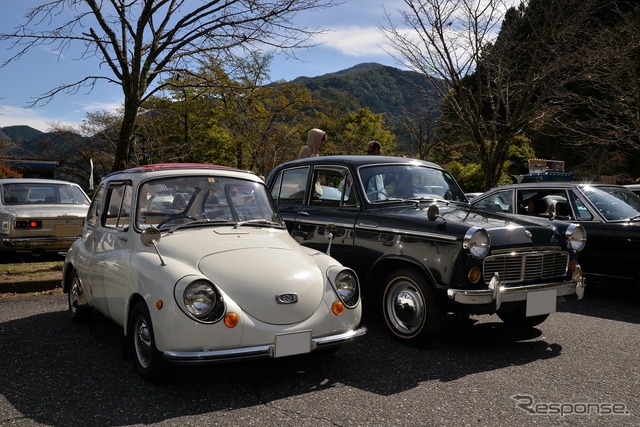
(579, 368)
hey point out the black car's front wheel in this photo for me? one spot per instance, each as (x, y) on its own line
(409, 307)
(148, 359)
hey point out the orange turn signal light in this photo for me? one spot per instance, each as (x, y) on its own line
(337, 307)
(231, 320)
(159, 304)
(474, 275)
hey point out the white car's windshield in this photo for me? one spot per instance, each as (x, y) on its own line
(392, 182)
(176, 200)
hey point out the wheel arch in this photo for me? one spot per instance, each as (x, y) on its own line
(133, 300)
(383, 266)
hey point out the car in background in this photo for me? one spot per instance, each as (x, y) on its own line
(420, 251)
(609, 213)
(40, 216)
(634, 187)
(217, 280)
(472, 195)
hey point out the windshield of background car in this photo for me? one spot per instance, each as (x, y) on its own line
(392, 182)
(180, 199)
(614, 203)
(43, 193)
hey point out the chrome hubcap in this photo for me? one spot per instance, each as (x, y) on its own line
(405, 307)
(142, 342)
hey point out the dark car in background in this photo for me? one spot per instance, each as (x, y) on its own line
(420, 250)
(40, 215)
(609, 213)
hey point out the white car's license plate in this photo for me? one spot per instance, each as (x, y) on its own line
(293, 343)
(541, 302)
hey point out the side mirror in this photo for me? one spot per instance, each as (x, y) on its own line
(433, 212)
(150, 237)
(329, 231)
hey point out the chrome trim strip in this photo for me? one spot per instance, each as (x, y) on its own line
(257, 352)
(446, 237)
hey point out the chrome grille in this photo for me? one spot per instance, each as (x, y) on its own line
(522, 266)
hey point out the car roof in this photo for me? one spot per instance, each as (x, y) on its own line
(35, 181)
(359, 160)
(177, 167)
(559, 184)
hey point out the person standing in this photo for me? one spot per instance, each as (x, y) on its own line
(316, 138)
(373, 148)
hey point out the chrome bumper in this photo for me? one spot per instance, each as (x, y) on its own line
(257, 352)
(498, 293)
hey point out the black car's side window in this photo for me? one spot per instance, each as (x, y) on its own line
(333, 187)
(290, 185)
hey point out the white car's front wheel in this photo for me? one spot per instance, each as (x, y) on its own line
(148, 359)
(77, 312)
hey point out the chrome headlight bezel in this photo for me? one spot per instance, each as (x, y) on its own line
(202, 301)
(345, 283)
(576, 236)
(477, 242)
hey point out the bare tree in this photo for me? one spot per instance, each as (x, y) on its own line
(493, 86)
(142, 43)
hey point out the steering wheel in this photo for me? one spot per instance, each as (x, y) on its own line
(173, 218)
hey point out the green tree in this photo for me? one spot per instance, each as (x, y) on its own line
(144, 43)
(493, 87)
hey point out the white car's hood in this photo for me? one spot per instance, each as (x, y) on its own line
(256, 266)
(264, 274)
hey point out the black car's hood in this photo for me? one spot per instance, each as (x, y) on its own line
(504, 230)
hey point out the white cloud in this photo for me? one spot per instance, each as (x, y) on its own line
(17, 116)
(353, 40)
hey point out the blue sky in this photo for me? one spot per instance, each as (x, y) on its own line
(353, 38)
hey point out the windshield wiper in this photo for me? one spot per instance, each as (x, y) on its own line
(635, 218)
(196, 222)
(259, 221)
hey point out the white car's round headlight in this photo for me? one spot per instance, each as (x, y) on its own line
(477, 242)
(576, 237)
(346, 284)
(199, 299)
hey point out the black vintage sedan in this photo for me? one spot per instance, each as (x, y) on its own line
(420, 250)
(609, 213)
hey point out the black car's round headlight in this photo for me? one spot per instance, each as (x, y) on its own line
(202, 301)
(576, 237)
(477, 242)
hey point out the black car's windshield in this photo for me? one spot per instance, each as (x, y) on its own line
(177, 201)
(403, 182)
(614, 203)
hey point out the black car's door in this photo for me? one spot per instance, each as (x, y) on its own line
(329, 201)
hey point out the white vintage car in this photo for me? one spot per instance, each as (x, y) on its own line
(207, 275)
(40, 215)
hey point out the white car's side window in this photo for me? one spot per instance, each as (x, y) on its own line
(118, 204)
(95, 208)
